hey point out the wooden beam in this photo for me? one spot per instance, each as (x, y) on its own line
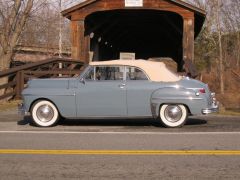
(80, 42)
(86, 49)
(104, 5)
(188, 45)
(77, 28)
(188, 39)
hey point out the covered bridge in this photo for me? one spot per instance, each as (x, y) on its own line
(148, 28)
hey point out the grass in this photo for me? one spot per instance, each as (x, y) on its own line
(9, 105)
(229, 113)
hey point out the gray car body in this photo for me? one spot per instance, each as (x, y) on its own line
(79, 98)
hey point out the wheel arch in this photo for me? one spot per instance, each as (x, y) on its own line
(42, 99)
(171, 95)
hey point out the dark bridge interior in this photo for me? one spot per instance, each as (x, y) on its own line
(148, 33)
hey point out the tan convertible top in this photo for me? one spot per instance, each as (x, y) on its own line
(156, 71)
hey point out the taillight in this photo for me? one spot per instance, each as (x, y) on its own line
(202, 90)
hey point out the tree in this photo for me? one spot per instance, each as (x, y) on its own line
(221, 68)
(47, 28)
(231, 17)
(211, 38)
(13, 17)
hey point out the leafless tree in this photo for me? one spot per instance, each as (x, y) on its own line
(47, 28)
(219, 30)
(13, 17)
(231, 17)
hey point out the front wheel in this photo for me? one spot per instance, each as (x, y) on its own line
(173, 115)
(44, 113)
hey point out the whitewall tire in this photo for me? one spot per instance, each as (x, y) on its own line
(173, 115)
(44, 113)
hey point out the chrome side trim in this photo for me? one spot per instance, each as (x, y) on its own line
(111, 117)
(74, 94)
(181, 98)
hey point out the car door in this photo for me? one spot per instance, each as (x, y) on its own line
(139, 91)
(102, 93)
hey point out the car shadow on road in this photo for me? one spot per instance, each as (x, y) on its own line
(25, 121)
(124, 122)
(193, 122)
(112, 122)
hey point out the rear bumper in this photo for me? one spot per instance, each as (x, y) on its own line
(213, 109)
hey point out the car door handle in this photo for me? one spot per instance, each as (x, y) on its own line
(121, 86)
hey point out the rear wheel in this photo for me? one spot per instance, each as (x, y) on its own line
(44, 113)
(173, 115)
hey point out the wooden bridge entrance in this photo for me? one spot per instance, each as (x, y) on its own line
(148, 28)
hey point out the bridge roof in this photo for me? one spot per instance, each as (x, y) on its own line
(177, 2)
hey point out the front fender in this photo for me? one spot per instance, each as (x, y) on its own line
(64, 99)
(177, 95)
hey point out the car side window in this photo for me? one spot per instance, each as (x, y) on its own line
(109, 73)
(102, 73)
(133, 73)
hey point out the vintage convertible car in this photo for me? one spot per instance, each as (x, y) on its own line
(118, 89)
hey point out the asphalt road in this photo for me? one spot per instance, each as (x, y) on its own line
(205, 148)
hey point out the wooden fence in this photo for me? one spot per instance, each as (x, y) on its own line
(18, 76)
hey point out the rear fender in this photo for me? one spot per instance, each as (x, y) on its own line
(176, 95)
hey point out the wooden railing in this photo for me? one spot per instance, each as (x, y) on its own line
(18, 76)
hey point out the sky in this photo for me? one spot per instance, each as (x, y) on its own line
(70, 3)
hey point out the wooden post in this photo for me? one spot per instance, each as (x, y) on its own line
(17, 88)
(19, 84)
(86, 49)
(188, 42)
(77, 28)
(80, 42)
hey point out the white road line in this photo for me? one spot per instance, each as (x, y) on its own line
(123, 133)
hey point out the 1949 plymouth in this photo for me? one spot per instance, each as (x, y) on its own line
(118, 89)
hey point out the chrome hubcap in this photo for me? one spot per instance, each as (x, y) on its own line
(45, 113)
(173, 113)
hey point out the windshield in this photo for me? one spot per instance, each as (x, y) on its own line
(84, 71)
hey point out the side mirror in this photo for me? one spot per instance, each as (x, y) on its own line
(82, 81)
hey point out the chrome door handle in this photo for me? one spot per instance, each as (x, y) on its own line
(121, 86)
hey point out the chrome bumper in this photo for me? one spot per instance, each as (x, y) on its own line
(213, 109)
(22, 110)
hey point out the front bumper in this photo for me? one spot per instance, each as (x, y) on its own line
(22, 110)
(213, 109)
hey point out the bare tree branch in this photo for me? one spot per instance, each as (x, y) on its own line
(14, 16)
(9, 24)
(22, 21)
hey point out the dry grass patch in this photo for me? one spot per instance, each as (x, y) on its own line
(9, 105)
(229, 113)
